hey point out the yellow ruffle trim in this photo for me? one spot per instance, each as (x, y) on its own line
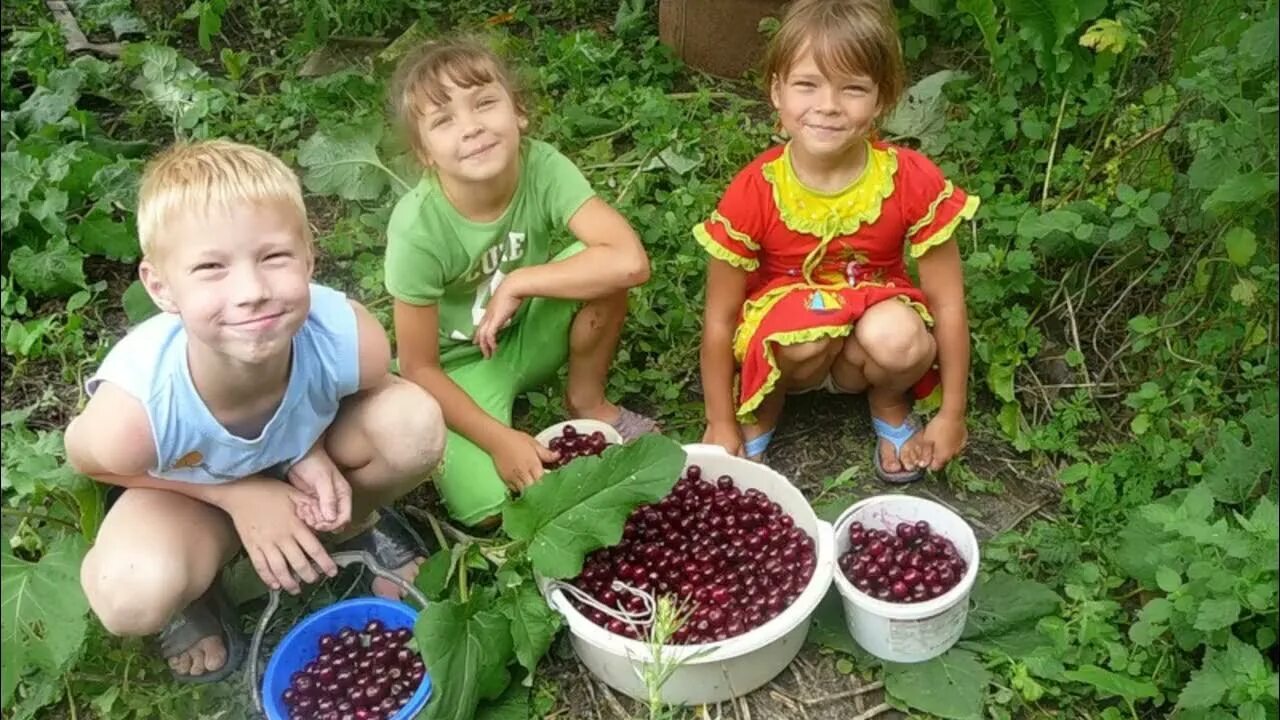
(947, 191)
(720, 252)
(828, 215)
(754, 312)
(741, 237)
(920, 309)
(946, 231)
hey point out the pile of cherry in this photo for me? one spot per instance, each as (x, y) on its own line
(910, 565)
(733, 559)
(358, 675)
(571, 444)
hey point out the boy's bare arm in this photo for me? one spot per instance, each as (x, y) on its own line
(614, 259)
(375, 348)
(111, 442)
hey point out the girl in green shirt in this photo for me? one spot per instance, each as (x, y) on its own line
(483, 310)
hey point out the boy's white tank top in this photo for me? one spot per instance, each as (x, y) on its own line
(150, 363)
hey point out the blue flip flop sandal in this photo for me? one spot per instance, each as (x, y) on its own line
(898, 435)
(755, 447)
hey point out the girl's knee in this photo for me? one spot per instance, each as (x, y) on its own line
(896, 342)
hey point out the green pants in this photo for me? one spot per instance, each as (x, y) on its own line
(529, 355)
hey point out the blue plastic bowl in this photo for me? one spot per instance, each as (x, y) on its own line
(301, 646)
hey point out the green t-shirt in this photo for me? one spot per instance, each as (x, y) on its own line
(435, 256)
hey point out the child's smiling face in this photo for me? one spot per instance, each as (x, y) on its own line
(238, 278)
(475, 135)
(825, 115)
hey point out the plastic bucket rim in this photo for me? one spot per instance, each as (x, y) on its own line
(417, 701)
(778, 627)
(611, 434)
(906, 611)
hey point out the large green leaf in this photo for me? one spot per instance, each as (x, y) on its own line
(344, 161)
(1217, 613)
(55, 271)
(53, 100)
(1233, 468)
(1003, 602)
(21, 175)
(922, 113)
(1047, 22)
(984, 14)
(99, 234)
(515, 704)
(466, 646)
(533, 623)
(828, 628)
(951, 685)
(1237, 666)
(584, 505)
(42, 611)
(1108, 683)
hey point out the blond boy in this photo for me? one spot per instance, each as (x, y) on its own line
(255, 412)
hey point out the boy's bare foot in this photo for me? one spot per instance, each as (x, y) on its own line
(203, 642)
(386, 535)
(384, 588)
(207, 655)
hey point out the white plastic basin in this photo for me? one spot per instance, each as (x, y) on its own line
(737, 665)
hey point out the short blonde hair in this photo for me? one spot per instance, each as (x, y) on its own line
(847, 37)
(207, 177)
(421, 75)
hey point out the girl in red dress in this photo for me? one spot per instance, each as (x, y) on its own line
(806, 285)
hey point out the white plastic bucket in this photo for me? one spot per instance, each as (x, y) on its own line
(583, 426)
(737, 665)
(907, 632)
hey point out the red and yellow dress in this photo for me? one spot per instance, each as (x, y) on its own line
(817, 261)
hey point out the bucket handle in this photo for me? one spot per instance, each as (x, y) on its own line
(341, 559)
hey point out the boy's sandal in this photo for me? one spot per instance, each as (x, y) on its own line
(211, 614)
(898, 435)
(631, 425)
(390, 540)
(756, 447)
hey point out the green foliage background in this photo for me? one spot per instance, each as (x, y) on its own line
(1121, 276)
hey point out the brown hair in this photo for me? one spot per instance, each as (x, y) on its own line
(210, 176)
(847, 37)
(420, 78)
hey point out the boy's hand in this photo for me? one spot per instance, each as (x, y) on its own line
(327, 507)
(279, 544)
(497, 313)
(946, 437)
(519, 459)
(727, 436)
